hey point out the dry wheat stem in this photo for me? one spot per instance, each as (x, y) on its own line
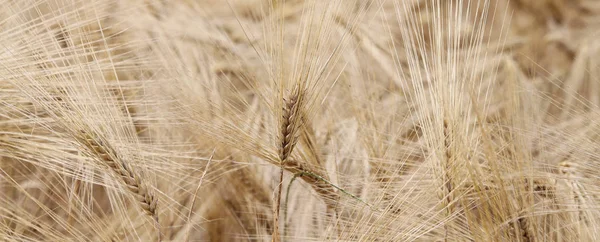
(447, 187)
(189, 216)
(74, 192)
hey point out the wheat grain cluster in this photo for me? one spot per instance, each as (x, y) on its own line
(300, 120)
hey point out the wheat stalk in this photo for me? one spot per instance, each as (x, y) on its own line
(189, 215)
(447, 179)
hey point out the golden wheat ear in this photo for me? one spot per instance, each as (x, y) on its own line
(134, 183)
(289, 126)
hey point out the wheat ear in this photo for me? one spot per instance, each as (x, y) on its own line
(288, 139)
(132, 181)
(525, 229)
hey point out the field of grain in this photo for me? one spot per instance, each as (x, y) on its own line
(300, 120)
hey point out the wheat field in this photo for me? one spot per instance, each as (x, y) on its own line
(300, 120)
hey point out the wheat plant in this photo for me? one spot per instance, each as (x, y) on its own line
(299, 120)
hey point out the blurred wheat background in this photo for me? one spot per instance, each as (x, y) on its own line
(300, 120)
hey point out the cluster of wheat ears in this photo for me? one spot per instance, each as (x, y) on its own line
(300, 120)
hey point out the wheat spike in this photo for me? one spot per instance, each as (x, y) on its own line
(288, 127)
(146, 199)
(288, 139)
